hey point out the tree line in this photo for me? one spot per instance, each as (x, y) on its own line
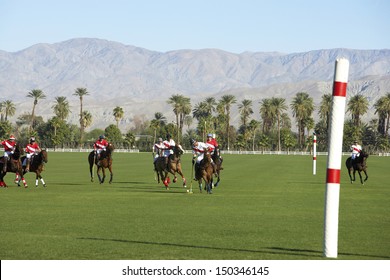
(274, 130)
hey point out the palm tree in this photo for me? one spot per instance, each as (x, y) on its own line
(302, 107)
(181, 108)
(226, 102)
(266, 114)
(245, 110)
(252, 127)
(357, 106)
(200, 111)
(158, 121)
(382, 108)
(86, 119)
(36, 94)
(80, 92)
(278, 106)
(61, 108)
(9, 109)
(118, 114)
(325, 108)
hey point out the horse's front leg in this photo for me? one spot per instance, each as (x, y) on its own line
(21, 178)
(354, 175)
(361, 179)
(200, 185)
(365, 173)
(111, 174)
(350, 176)
(42, 181)
(218, 179)
(104, 175)
(98, 174)
(182, 177)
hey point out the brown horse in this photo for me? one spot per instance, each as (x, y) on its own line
(14, 165)
(174, 166)
(359, 165)
(104, 161)
(37, 166)
(205, 171)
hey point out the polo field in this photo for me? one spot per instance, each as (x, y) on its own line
(266, 207)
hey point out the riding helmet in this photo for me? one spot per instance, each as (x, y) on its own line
(210, 135)
(11, 137)
(192, 141)
(101, 137)
(32, 139)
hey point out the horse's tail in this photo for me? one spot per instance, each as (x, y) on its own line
(91, 160)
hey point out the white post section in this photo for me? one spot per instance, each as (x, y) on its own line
(314, 153)
(335, 145)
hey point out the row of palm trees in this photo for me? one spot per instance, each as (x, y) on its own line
(274, 116)
(215, 115)
(61, 109)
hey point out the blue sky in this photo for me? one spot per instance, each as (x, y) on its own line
(235, 26)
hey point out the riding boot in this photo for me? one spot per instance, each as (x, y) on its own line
(5, 164)
(28, 165)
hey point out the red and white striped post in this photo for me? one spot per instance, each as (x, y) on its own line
(332, 193)
(314, 153)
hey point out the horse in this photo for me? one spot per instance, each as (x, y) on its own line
(14, 165)
(37, 166)
(359, 165)
(218, 164)
(174, 166)
(104, 161)
(205, 172)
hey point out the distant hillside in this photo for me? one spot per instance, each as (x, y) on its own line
(140, 80)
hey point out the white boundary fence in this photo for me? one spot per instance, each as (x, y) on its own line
(290, 153)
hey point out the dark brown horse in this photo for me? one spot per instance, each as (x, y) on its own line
(174, 166)
(205, 171)
(14, 165)
(359, 165)
(37, 166)
(103, 162)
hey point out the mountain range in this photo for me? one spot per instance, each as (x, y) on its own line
(141, 81)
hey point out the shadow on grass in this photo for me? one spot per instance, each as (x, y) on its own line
(340, 253)
(267, 250)
(306, 253)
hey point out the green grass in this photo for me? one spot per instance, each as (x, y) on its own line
(267, 207)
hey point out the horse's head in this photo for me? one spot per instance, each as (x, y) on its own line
(207, 155)
(178, 150)
(363, 155)
(43, 154)
(110, 148)
(18, 152)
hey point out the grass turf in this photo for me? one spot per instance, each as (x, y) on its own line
(266, 207)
